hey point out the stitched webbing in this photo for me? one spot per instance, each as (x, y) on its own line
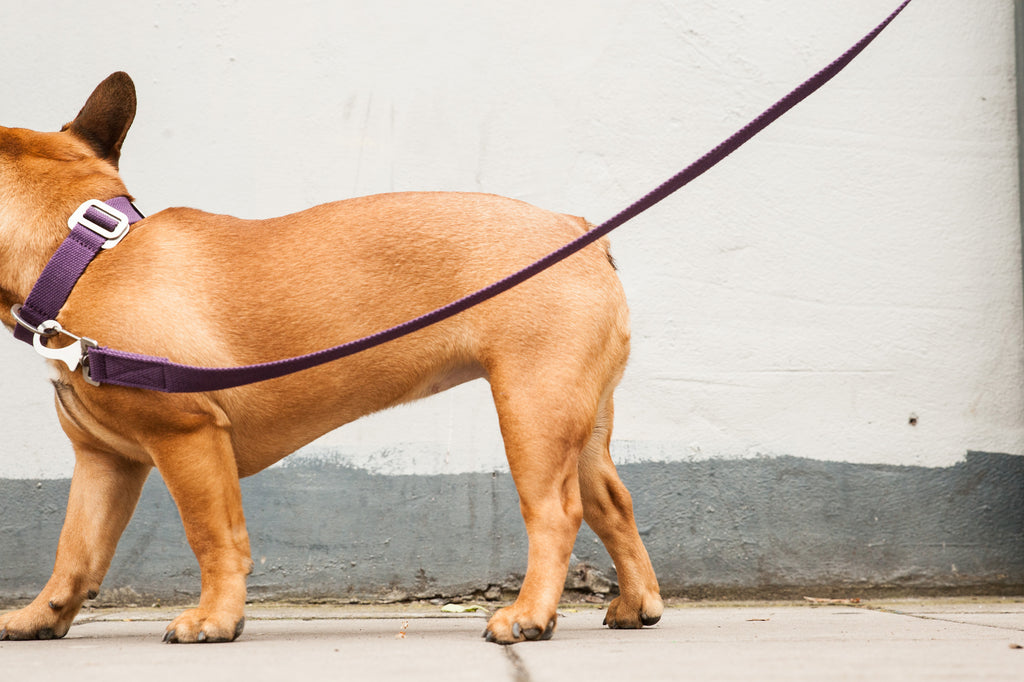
(66, 266)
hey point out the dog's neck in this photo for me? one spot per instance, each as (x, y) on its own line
(24, 255)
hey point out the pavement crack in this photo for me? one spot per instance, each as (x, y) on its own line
(941, 619)
(519, 671)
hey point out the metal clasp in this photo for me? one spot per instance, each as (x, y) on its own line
(72, 355)
(113, 235)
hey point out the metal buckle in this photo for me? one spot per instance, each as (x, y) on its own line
(112, 235)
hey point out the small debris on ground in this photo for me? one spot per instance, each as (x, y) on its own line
(463, 608)
(847, 602)
(401, 633)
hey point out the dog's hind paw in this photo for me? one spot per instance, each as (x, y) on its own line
(500, 631)
(522, 635)
(194, 627)
(625, 616)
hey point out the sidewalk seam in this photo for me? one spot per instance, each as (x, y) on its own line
(519, 671)
(922, 616)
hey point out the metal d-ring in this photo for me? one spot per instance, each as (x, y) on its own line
(22, 322)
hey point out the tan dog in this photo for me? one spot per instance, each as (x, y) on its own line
(214, 290)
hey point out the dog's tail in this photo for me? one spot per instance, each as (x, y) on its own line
(604, 243)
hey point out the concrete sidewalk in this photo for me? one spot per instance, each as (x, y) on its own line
(884, 640)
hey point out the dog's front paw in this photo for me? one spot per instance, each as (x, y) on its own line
(33, 622)
(626, 614)
(509, 626)
(199, 626)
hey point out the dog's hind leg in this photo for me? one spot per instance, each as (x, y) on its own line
(197, 463)
(608, 510)
(544, 431)
(104, 491)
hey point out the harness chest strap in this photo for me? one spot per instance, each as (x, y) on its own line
(105, 365)
(95, 226)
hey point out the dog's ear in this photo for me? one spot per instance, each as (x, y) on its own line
(106, 117)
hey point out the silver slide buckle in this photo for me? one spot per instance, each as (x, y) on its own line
(113, 235)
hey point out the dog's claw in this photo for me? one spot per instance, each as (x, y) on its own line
(170, 636)
(201, 637)
(488, 636)
(541, 635)
(4, 635)
(517, 631)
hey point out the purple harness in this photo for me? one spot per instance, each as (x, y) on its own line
(101, 225)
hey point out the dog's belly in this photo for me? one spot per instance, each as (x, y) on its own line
(443, 382)
(265, 432)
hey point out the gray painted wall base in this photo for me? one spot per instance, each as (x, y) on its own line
(752, 527)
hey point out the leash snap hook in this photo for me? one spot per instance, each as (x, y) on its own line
(72, 355)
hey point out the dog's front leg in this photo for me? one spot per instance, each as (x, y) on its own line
(104, 491)
(201, 474)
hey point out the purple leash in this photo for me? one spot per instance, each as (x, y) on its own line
(108, 366)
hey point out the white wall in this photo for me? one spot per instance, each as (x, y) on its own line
(856, 264)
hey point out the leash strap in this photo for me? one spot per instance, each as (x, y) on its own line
(129, 369)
